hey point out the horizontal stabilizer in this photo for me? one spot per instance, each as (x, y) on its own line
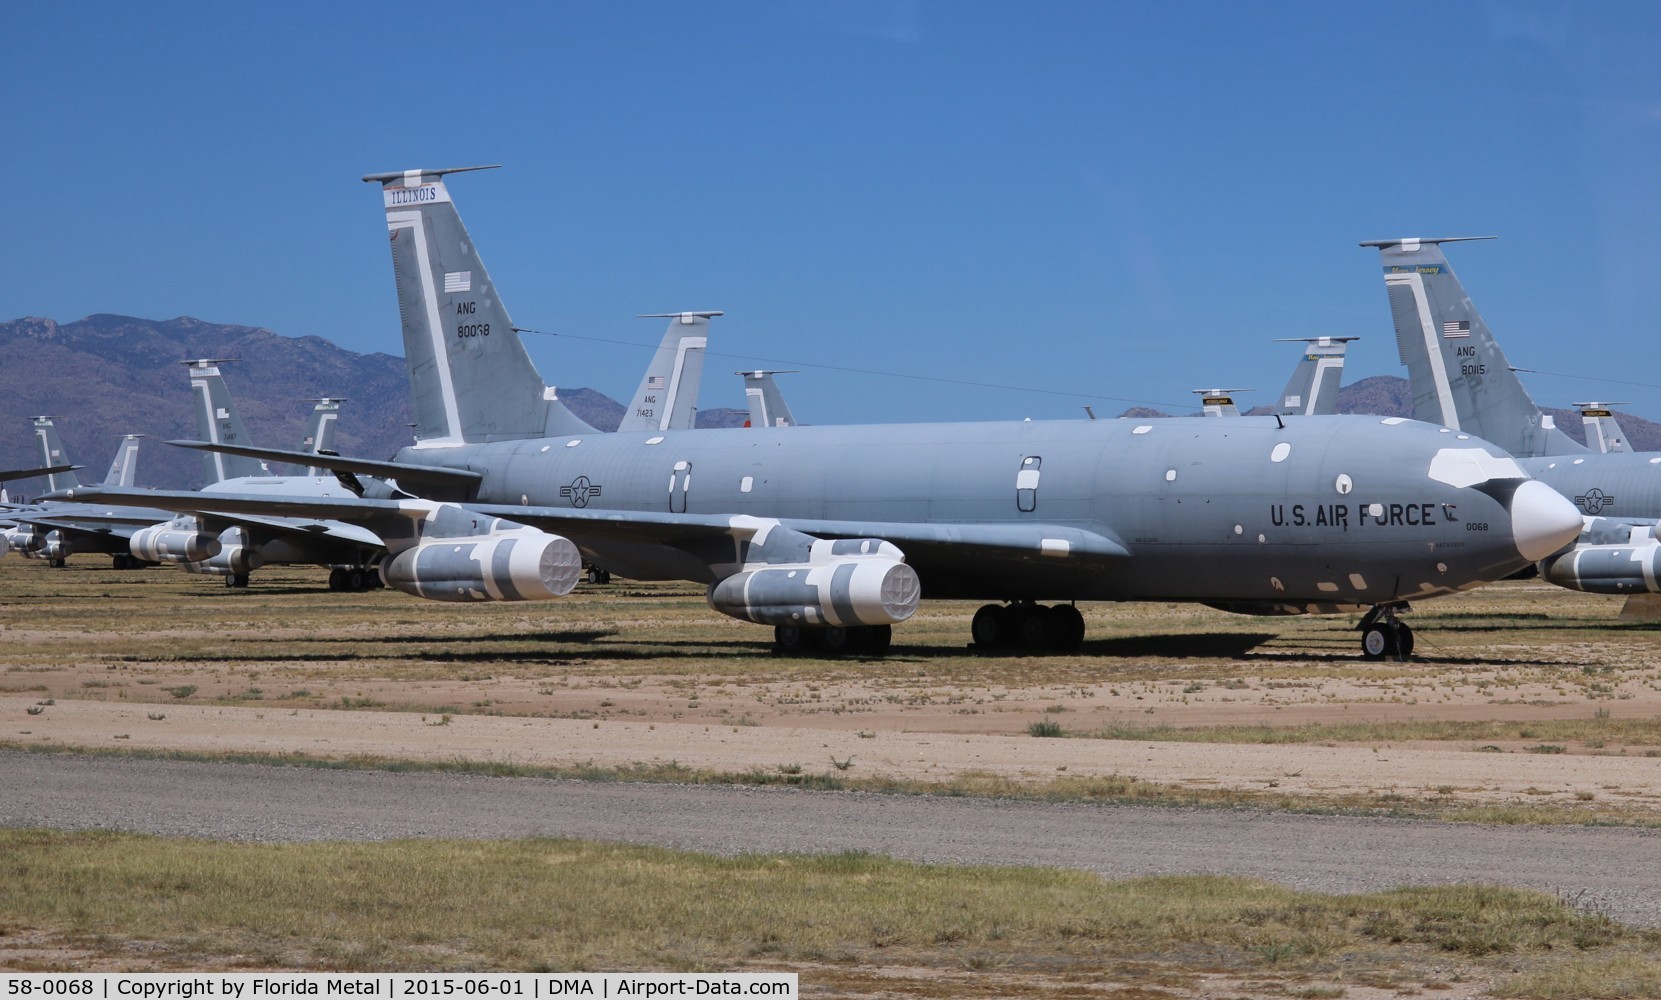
(416, 174)
(1414, 242)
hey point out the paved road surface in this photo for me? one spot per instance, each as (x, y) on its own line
(1616, 870)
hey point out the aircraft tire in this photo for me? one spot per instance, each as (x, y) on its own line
(877, 639)
(1037, 627)
(793, 638)
(57, 563)
(355, 581)
(992, 626)
(337, 579)
(841, 641)
(1404, 641)
(1378, 641)
(1067, 627)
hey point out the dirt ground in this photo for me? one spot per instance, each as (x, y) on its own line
(631, 674)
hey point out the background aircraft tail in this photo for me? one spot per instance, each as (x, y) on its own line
(1460, 377)
(320, 429)
(1313, 388)
(470, 378)
(668, 395)
(1602, 432)
(218, 421)
(767, 405)
(51, 453)
(124, 469)
(1219, 402)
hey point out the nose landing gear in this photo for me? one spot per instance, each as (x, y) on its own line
(1384, 636)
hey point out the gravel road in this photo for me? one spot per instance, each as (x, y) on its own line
(1613, 870)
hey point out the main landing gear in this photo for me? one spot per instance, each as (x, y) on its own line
(236, 581)
(859, 640)
(1384, 636)
(353, 578)
(1025, 624)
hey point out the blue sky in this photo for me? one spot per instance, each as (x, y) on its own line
(1124, 201)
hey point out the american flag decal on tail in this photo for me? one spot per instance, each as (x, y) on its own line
(1454, 329)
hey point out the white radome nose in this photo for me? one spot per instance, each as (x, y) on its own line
(1542, 520)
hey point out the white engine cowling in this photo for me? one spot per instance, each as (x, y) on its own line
(54, 547)
(1606, 569)
(25, 539)
(167, 543)
(843, 582)
(520, 564)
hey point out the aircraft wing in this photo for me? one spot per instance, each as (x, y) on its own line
(1004, 539)
(299, 527)
(8, 475)
(1017, 538)
(402, 471)
(101, 520)
(87, 525)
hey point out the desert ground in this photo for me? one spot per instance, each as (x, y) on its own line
(1518, 692)
(1523, 703)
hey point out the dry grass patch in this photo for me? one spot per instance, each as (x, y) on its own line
(573, 905)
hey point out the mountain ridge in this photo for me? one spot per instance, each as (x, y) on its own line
(107, 375)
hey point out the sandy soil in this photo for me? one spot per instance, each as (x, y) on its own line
(1414, 768)
(652, 677)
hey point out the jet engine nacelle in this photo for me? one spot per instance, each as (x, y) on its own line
(54, 547)
(843, 582)
(234, 559)
(24, 539)
(1606, 569)
(519, 564)
(168, 543)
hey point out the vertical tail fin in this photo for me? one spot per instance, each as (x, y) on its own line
(470, 378)
(668, 395)
(1460, 377)
(1313, 388)
(1602, 432)
(767, 405)
(51, 453)
(124, 469)
(320, 428)
(1219, 402)
(218, 421)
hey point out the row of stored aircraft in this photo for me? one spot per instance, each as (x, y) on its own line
(137, 536)
(833, 534)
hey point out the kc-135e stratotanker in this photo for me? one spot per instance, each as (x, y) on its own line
(1460, 377)
(831, 534)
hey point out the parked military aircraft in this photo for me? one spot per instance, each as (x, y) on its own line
(667, 398)
(1313, 387)
(767, 405)
(1219, 402)
(320, 430)
(54, 532)
(1461, 378)
(832, 534)
(235, 547)
(1602, 431)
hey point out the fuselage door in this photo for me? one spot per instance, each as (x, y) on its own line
(1026, 484)
(680, 481)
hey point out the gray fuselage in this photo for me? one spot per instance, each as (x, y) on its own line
(1257, 514)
